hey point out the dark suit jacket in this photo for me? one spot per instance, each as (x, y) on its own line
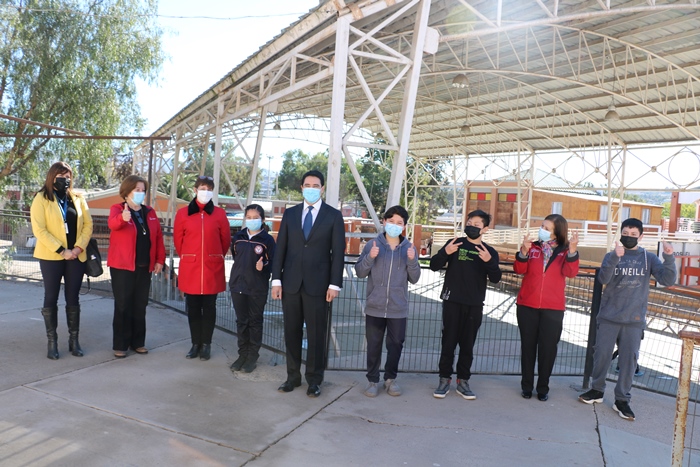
(316, 262)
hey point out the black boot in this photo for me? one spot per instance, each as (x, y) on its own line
(205, 353)
(50, 315)
(194, 351)
(73, 318)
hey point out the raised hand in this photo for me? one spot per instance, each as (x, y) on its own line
(411, 253)
(452, 247)
(126, 213)
(667, 248)
(483, 253)
(259, 264)
(374, 251)
(619, 250)
(527, 244)
(573, 243)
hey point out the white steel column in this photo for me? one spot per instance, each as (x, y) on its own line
(174, 175)
(340, 75)
(217, 151)
(398, 172)
(256, 156)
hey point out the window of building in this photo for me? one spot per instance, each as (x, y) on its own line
(557, 207)
(624, 214)
(646, 216)
(603, 212)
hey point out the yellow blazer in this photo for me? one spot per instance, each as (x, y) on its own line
(48, 228)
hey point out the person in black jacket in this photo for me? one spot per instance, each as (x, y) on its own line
(470, 262)
(253, 249)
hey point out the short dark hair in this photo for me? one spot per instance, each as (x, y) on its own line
(313, 173)
(485, 217)
(394, 210)
(204, 180)
(633, 224)
(129, 183)
(561, 229)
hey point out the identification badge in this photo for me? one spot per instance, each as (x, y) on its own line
(66, 225)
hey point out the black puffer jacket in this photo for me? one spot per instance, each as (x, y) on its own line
(245, 278)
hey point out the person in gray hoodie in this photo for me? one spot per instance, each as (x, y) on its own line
(626, 272)
(389, 262)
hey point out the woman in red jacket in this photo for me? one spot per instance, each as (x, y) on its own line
(546, 264)
(135, 251)
(202, 236)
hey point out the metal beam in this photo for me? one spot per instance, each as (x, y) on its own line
(409, 103)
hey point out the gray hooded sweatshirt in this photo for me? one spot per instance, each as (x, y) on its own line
(626, 294)
(387, 277)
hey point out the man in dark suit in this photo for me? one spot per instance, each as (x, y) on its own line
(308, 265)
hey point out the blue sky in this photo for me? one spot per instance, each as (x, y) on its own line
(202, 51)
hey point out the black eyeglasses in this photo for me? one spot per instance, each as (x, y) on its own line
(205, 177)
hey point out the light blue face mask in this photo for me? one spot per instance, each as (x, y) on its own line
(393, 230)
(138, 196)
(311, 195)
(544, 235)
(253, 224)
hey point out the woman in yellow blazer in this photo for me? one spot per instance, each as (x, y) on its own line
(62, 226)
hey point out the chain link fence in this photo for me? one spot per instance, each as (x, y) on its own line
(497, 349)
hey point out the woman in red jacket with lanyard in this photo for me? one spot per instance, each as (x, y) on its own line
(546, 264)
(135, 251)
(202, 236)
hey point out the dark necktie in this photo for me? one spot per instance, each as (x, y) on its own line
(308, 223)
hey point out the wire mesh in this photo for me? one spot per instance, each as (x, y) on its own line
(497, 348)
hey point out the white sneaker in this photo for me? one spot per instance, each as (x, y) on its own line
(392, 388)
(371, 390)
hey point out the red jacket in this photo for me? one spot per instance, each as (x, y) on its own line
(545, 288)
(202, 237)
(122, 239)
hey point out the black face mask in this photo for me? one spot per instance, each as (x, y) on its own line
(628, 242)
(61, 184)
(472, 232)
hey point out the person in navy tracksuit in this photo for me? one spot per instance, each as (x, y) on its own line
(253, 249)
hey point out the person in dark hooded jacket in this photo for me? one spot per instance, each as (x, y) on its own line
(252, 249)
(389, 262)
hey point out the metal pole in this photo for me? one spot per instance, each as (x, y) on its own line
(217, 151)
(150, 173)
(340, 76)
(592, 328)
(408, 106)
(689, 340)
(256, 156)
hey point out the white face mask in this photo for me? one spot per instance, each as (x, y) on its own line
(204, 196)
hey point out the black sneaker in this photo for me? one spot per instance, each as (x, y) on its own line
(623, 410)
(591, 397)
(443, 388)
(464, 390)
(238, 364)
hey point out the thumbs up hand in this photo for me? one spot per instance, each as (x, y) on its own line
(259, 264)
(619, 250)
(126, 213)
(411, 253)
(374, 251)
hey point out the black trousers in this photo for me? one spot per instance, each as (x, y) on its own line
(249, 322)
(130, 290)
(201, 315)
(52, 272)
(460, 326)
(395, 336)
(540, 331)
(300, 308)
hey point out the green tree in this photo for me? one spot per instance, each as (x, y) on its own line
(73, 64)
(687, 210)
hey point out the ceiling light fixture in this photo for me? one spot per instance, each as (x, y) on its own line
(460, 81)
